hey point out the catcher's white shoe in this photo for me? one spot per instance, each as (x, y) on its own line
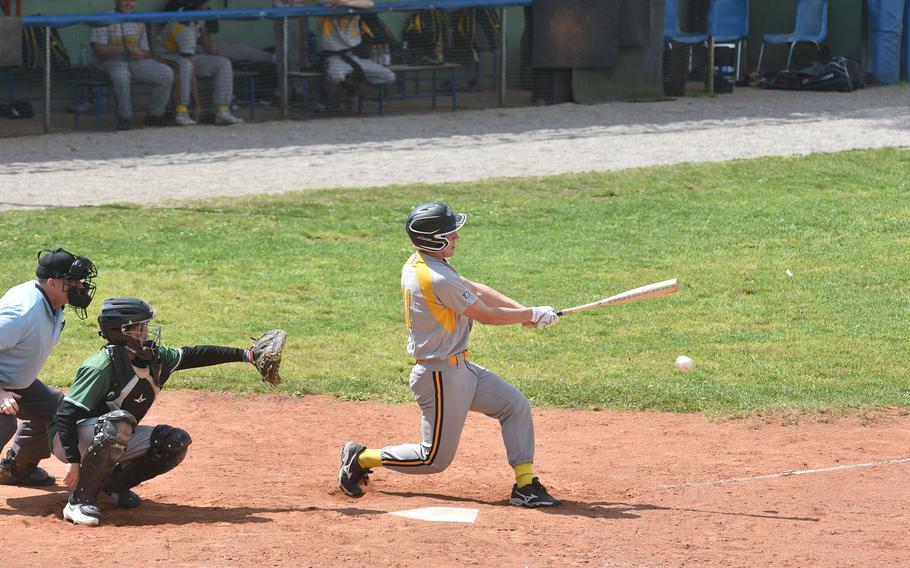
(82, 514)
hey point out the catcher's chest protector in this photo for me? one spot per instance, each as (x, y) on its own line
(132, 388)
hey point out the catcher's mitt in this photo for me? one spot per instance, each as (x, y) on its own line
(266, 354)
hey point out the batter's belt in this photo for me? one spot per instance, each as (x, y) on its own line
(453, 360)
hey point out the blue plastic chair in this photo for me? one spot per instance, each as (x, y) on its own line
(673, 34)
(728, 22)
(811, 27)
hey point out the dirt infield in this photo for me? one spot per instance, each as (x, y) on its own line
(259, 488)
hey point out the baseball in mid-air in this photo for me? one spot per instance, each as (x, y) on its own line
(684, 363)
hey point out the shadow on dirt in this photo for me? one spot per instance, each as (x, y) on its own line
(152, 513)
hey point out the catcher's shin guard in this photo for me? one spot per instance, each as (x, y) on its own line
(168, 448)
(112, 433)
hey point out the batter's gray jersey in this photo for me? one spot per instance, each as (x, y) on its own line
(435, 298)
(445, 384)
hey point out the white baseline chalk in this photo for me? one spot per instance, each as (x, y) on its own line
(785, 473)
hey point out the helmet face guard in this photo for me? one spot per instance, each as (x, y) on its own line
(79, 269)
(430, 223)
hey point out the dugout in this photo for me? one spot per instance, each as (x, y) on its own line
(632, 61)
(253, 23)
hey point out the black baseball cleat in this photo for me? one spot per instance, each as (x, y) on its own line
(29, 476)
(123, 499)
(532, 495)
(352, 473)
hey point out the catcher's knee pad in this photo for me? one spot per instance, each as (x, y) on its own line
(167, 448)
(112, 434)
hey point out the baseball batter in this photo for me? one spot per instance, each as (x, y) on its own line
(440, 307)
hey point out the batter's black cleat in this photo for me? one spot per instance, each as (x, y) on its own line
(532, 495)
(28, 476)
(352, 473)
(123, 499)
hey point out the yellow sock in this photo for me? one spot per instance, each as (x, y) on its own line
(370, 458)
(181, 108)
(222, 107)
(524, 473)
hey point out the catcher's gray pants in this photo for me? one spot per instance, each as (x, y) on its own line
(123, 73)
(445, 394)
(206, 66)
(138, 445)
(337, 69)
(37, 408)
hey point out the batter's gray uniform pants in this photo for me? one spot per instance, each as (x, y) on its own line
(138, 445)
(337, 69)
(445, 394)
(206, 66)
(37, 408)
(123, 73)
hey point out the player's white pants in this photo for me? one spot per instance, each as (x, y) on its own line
(123, 73)
(240, 53)
(445, 394)
(206, 66)
(338, 69)
(138, 445)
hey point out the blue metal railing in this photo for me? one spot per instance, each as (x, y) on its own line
(101, 19)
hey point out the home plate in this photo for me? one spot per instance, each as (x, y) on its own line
(440, 514)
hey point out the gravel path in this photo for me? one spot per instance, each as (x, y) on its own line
(96, 168)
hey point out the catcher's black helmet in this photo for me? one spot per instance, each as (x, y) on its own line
(429, 223)
(119, 313)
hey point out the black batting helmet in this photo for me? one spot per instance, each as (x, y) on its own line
(429, 223)
(117, 314)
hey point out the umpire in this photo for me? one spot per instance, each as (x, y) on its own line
(31, 320)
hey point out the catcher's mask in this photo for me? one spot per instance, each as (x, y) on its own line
(125, 321)
(64, 265)
(429, 224)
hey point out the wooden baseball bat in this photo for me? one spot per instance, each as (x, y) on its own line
(634, 295)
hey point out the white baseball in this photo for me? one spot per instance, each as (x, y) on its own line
(684, 363)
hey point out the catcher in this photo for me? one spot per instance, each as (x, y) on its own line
(96, 429)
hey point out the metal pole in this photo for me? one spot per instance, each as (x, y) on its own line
(709, 76)
(47, 79)
(284, 67)
(502, 57)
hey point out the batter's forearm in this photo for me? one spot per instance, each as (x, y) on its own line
(488, 315)
(491, 297)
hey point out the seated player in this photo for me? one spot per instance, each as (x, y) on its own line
(338, 36)
(96, 430)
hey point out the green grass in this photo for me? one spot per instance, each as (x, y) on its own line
(325, 266)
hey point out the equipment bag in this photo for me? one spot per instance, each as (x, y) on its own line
(836, 74)
(427, 36)
(33, 40)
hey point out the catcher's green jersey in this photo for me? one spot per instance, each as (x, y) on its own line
(93, 391)
(435, 298)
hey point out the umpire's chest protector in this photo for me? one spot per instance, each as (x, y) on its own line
(133, 388)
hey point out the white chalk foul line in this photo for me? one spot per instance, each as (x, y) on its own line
(785, 474)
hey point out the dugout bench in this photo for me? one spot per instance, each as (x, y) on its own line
(405, 74)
